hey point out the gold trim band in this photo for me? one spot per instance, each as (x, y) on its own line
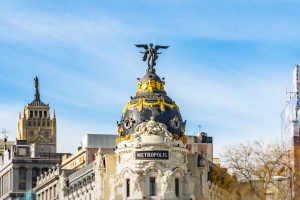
(142, 102)
(151, 85)
(128, 137)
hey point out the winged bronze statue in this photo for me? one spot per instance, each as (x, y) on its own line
(151, 54)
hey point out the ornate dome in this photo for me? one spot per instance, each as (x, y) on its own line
(151, 100)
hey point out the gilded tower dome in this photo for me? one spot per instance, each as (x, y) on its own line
(151, 101)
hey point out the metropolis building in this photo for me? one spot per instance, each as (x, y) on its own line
(151, 158)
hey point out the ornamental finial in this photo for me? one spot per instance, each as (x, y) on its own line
(37, 92)
(151, 54)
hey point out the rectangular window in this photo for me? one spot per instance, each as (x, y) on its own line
(35, 173)
(40, 114)
(45, 114)
(50, 193)
(35, 113)
(152, 186)
(177, 187)
(43, 123)
(31, 113)
(127, 187)
(54, 190)
(22, 178)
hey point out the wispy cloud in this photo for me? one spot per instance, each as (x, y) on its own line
(87, 67)
(232, 108)
(251, 21)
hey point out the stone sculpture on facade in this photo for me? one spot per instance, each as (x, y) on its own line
(151, 128)
(137, 179)
(166, 182)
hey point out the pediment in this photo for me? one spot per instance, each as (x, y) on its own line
(40, 139)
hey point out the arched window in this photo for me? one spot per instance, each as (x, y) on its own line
(22, 178)
(35, 174)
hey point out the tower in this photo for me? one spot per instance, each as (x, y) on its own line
(36, 125)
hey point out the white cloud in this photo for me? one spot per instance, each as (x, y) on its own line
(238, 105)
(193, 20)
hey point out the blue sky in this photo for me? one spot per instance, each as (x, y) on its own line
(227, 68)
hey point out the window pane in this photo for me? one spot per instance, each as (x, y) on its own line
(22, 178)
(127, 187)
(35, 174)
(177, 187)
(152, 186)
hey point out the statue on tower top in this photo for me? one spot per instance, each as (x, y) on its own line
(151, 54)
(36, 85)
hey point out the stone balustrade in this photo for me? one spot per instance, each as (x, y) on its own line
(52, 173)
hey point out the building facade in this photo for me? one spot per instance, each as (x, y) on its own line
(36, 125)
(32, 154)
(291, 136)
(89, 146)
(152, 159)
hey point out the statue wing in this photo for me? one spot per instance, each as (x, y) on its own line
(160, 47)
(145, 46)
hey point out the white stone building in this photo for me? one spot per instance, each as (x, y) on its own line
(151, 159)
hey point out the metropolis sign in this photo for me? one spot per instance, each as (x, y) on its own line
(154, 155)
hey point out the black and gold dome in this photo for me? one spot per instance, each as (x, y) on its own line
(151, 100)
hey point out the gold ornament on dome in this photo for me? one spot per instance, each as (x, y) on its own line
(120, 131)
(127, 137)
(151, 86)
(142, 102)
(182, 136)
(122, 138)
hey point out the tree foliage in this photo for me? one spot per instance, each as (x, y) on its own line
(221, 178)
(256, 163)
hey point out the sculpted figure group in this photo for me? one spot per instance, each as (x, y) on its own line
(151, 128)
